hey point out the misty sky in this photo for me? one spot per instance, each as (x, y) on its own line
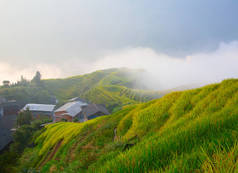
(69, 37)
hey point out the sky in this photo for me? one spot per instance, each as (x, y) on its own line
(178, 42)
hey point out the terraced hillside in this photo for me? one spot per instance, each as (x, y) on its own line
(112, 87)
(190, 131)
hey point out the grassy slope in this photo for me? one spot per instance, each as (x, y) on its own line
(194, 130)
(113, 87)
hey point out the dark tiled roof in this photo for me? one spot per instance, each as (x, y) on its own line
(93, 109)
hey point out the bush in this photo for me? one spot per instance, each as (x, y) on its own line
(22, 139)
(75, 119)
(24, 118)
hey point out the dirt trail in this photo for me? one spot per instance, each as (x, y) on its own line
(51, 153)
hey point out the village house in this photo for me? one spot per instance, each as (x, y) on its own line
(2, 100)
(8, 116)
(92, 111)
(40, 110)
(8, 107)
(79, 109)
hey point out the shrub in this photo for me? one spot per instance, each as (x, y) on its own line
(24, 118)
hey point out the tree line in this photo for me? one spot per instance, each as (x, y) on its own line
(36, 81)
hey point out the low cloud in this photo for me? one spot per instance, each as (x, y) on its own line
(166, 72)
(163, 71)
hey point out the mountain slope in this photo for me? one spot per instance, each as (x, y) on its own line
(112, 87)
(194, 130)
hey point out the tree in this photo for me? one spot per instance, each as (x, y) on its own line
(24, 118)
(23, 81)
(6, 83)
(37, 79)
(75, 119)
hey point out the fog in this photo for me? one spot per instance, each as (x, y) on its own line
(165, 72)
(162, 71)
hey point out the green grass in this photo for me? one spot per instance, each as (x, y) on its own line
(191, 131)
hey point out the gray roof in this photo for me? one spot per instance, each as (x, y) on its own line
(72, 108)
(93, 109)
(39, 107)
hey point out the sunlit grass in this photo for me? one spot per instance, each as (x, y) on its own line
(190, 131)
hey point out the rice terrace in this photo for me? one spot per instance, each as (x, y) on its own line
(118, 86)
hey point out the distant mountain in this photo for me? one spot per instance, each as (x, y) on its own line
(190, 131)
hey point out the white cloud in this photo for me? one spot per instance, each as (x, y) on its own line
(168, 72)
(164, 71)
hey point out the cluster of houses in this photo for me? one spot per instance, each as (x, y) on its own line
(75, 109)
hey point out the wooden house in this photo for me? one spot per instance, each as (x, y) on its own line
(8, 107)
(40, 110)
(92, 111)
(69, 110)
(79, 109)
